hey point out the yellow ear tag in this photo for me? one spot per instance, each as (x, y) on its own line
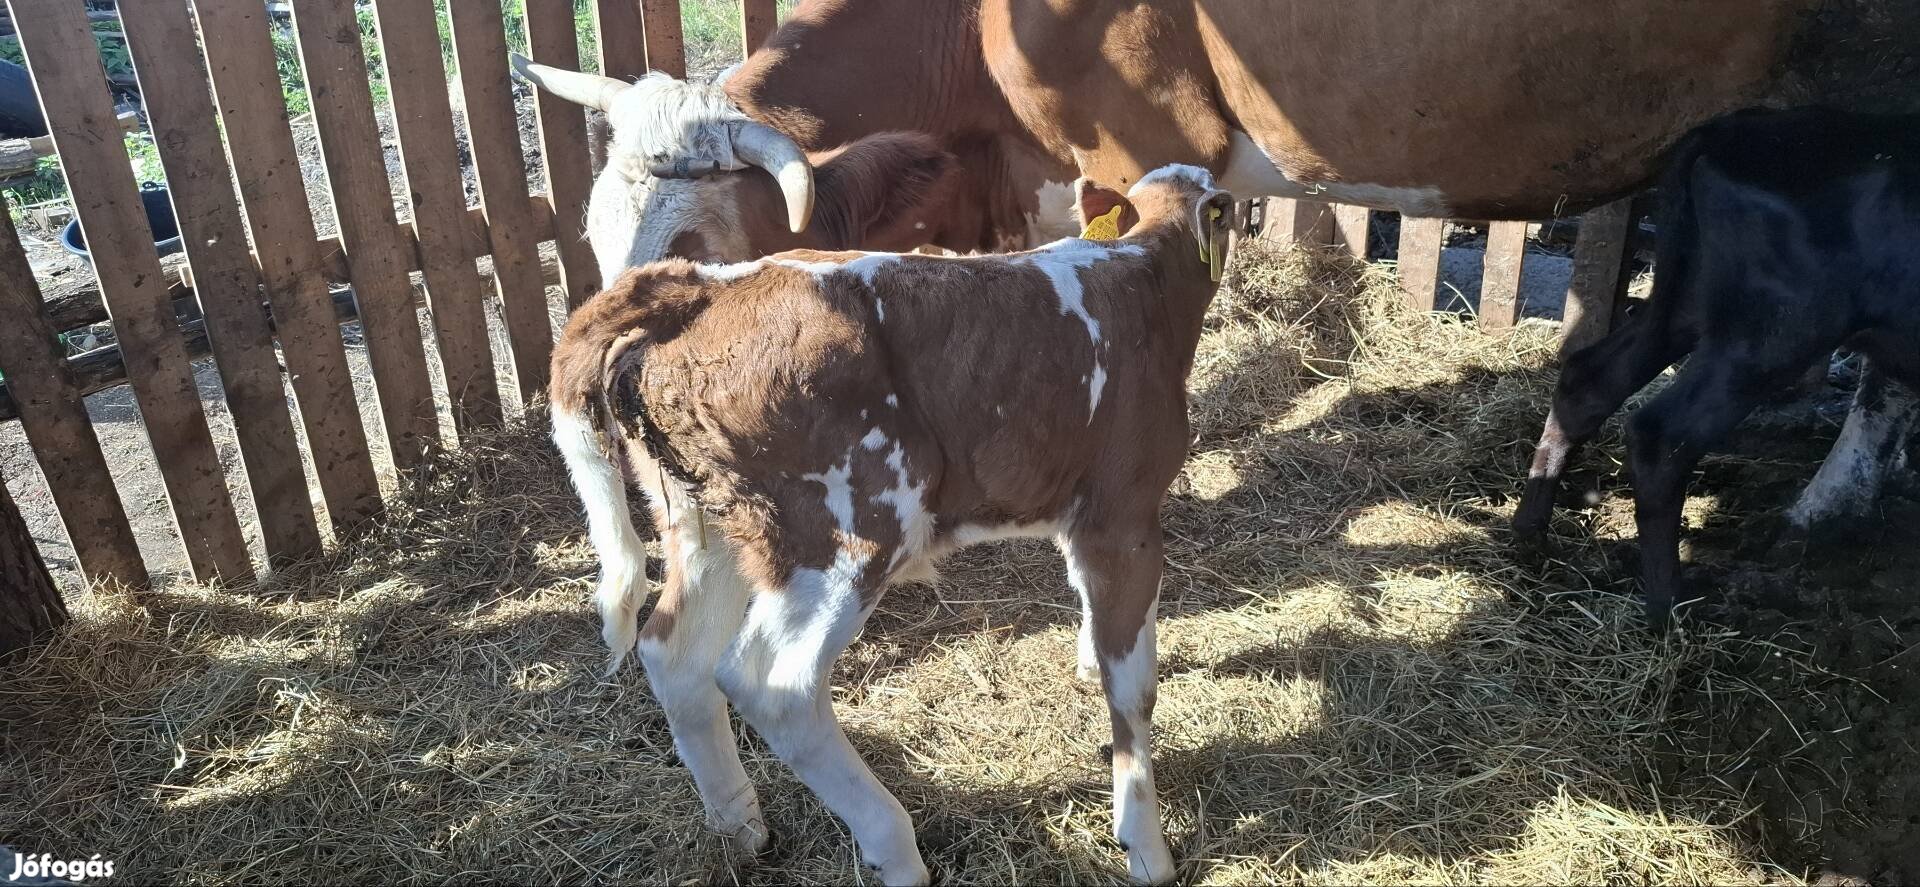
(1105, 227)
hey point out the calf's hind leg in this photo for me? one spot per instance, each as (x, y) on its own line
(1667, 438)
(1594, 382)
(776, 675)
(1120, 570)
(699, 612)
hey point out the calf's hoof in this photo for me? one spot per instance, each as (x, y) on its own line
(902, 874)
(746, 835)
(1151, 863)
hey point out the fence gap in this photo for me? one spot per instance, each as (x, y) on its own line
(563, 148)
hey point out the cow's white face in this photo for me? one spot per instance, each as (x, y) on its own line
(675, 165)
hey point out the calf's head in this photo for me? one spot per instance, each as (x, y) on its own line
(1176, 196)
(689, 175)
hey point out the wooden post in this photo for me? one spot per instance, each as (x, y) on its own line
(30, 605)
(1299, 221)
(758, 18)
(666, 42)
(563, 148)
(1350, 229)
(1500, 302)
(1599, 280)
(621, 38)
(1420, 243)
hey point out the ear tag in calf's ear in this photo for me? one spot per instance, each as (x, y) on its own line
(1104, 227)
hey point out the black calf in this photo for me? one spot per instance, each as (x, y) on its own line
(1784, 235)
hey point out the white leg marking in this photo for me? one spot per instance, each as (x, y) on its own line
(1087, 668)
(1871, 446)
(775, 673)
(1136, 805)
(623, 558)
(710, 602)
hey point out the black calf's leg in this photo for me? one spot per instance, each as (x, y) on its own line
(1667, 438)
(1594, 382)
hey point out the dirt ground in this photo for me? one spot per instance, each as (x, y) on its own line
(1360, 684)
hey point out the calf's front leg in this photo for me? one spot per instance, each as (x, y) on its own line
(1119, 571)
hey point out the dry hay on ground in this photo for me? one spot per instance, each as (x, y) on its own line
(1358, 684)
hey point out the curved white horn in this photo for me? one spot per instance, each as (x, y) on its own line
(591, 90)
(765, 147)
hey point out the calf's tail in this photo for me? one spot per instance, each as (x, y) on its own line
(590, 441)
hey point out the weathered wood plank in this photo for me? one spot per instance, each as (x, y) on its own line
(480, 44)
(423, 116)
(1299, 221)
(758, 19)
(1420, 243)
(666, 42)
(57, 427)
(1599, 282)
(173, 86)
(621, 38)
(329, 38)
(563, 147)
(102, 368)
(1500, 281)
(67, 73)
(246, 86)
(1350, 229)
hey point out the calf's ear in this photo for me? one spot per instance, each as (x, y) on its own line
(889, 192)
(1105, 214)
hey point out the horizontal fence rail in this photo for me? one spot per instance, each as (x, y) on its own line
(264, 294)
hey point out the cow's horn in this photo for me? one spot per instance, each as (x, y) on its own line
(765, 147)
(591, 90)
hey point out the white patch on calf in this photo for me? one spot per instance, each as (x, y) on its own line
(727, 273)
(893, 401)
(864, 267)
(1062, 260)
(1174, 172)
(1094, 386)
(875, 438)
(839, 496)
(916, 523)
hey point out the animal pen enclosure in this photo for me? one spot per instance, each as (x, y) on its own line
(259, 272)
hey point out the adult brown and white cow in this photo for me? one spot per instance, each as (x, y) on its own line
(812, 427)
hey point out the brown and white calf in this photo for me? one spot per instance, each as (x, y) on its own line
(812, 427)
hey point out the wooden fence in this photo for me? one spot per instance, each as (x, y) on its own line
(207, 75)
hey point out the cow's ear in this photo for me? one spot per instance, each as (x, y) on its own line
(1104, 213)
(889, 192)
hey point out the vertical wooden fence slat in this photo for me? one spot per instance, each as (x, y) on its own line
(666, 42)
(71, 82)
(758, 18)
(1350, 229)
(236, 37)
(480, 44)
(423, 116)
(621, 38)
(563, 148)
(1420, 243)
(337, 84)
(55, 420)
(1299, 221)
(1500, 283)
(173, 87)
(1599, 260)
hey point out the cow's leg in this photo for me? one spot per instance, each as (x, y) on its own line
(1667, 438)
(1120, 570)
(776, 674)
(698, 615)
(1594, 382)
(1872, 446)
